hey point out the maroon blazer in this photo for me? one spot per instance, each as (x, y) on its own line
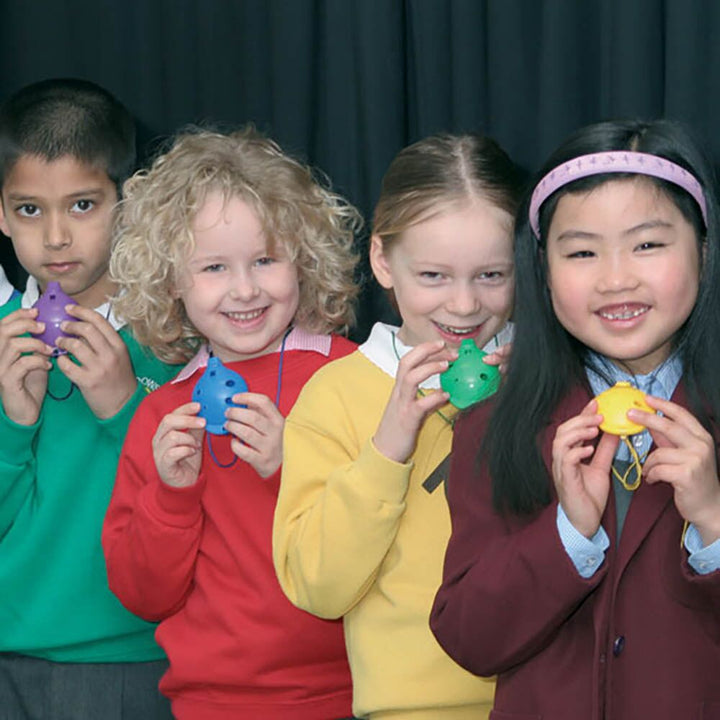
(640, 640)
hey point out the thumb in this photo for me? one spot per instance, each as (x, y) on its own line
(605, 452)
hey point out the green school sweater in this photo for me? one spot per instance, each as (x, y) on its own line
(56, 478)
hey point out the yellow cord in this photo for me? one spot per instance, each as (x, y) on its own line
(686, 525)
(637, 463)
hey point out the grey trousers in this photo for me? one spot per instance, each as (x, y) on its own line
(34, 689)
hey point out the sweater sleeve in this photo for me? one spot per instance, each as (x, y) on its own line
(152, 531)
(339, 506)
(17, 467)
(508, 584)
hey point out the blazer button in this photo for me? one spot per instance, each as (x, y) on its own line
(618, 645)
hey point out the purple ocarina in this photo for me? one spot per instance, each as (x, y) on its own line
(51, 311)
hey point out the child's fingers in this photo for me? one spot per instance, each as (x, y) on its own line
(675, 423)
(175, 454)
(19, 322)
(435, 352)
(581, 428)
(605, 452)
(257, 402)
(501, 356)
(184, 417)
(432, 401)
(410, 381)
(175, 438)
(23, 346)
(667, 431)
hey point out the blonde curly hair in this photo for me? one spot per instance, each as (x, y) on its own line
(153, 239)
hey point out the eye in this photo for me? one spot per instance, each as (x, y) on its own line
(82, 206)
(580, 254)
(650, 245)
(431, 275)
(213, 268)
(27, 210)
(491, 275)
(265, 260)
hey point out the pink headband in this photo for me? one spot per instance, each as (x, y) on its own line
(622, 161)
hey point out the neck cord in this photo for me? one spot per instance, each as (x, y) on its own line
(449, 421)
(636, 464)
(277, 400)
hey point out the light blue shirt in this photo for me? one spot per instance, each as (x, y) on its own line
(588, 554)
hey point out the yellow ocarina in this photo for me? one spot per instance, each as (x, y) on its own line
(613, 405)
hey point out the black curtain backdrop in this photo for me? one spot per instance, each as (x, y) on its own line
(345, 84)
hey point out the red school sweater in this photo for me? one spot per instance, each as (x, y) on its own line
(199, 561)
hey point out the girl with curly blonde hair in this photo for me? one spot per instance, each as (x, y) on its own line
(226, 248)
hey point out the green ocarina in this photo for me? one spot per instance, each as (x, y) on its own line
(469, 380)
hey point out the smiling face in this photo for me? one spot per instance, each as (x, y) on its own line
(58, 215)
(623, 271)
(452, 274)
(239, 294)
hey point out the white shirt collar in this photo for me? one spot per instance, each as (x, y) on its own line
(6, 289)
(379, 349)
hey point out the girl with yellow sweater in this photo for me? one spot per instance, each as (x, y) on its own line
(362, 520)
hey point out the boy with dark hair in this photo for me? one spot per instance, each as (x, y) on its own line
(68, 649)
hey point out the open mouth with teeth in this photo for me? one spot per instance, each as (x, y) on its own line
(623, 312)
(245, 316)
(459, 332)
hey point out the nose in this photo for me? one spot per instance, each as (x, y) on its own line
(463, 300)
(57, 235)
(617, 274)
(244, 286)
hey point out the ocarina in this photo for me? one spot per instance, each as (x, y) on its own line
(468, 379)
(51, 311)
(613, 405)
(214, 390)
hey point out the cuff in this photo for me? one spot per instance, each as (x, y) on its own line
(177, 506)
(586, 555)
(117, 425)
(703, 560)
(384, 478)
(16, 447)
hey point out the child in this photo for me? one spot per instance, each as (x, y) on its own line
(67, 646)
(587, 601)
(362, 520)
(227, 248)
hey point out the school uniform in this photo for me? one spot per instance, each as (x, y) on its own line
(638, 638)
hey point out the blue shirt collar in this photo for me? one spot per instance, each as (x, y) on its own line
(661, 382)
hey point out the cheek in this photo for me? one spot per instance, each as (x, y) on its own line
(682, 291)
(499, 300)
(287, 289)
(565, 289)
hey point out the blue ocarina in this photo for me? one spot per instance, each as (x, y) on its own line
(468, 379)
(214, 391)
(51, 311)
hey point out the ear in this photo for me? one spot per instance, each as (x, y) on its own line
(379, 263)
(3, 221)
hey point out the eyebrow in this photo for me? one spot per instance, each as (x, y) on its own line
(89, 192)
(642, 227)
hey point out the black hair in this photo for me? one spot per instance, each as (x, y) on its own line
(68, 117)
(547, 361)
